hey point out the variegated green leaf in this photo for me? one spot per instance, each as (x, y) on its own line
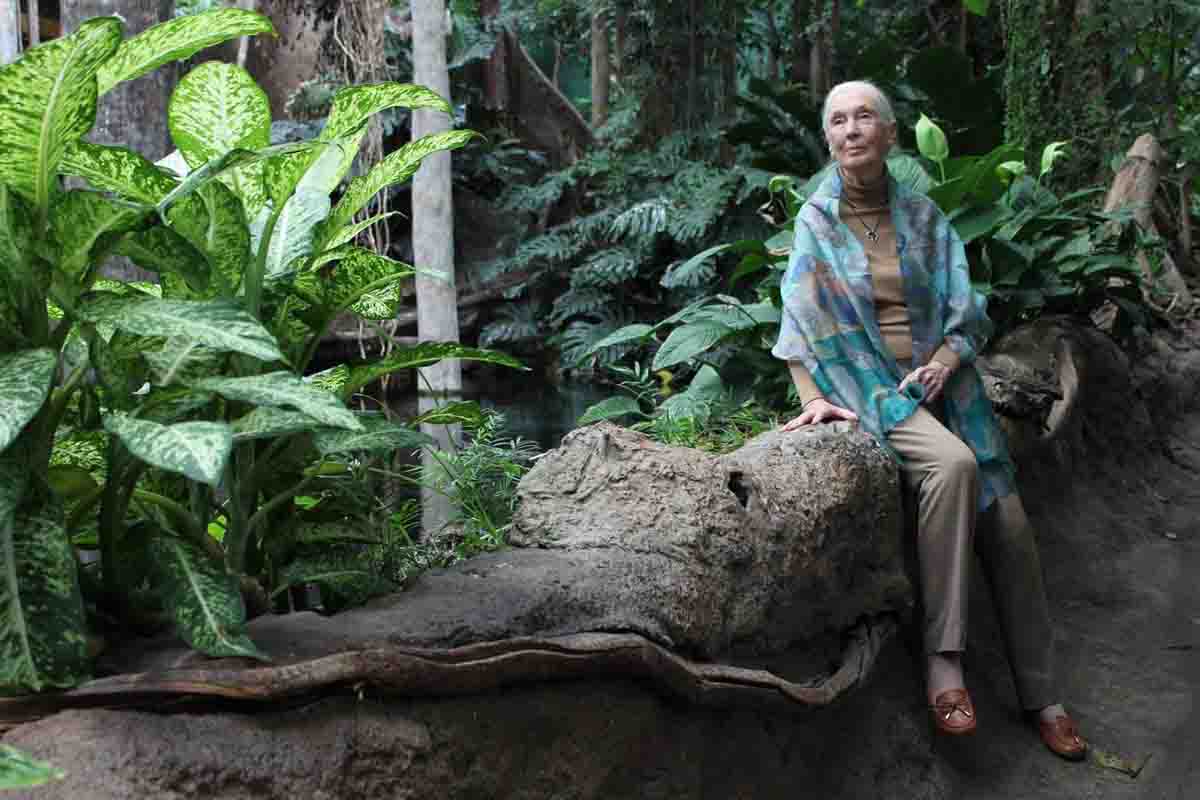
(47, 101)
(18, 770)
(346, 578)
(346, 126)
(396, 168)
(219, 324)
(202, 598)
(183, 361)
(213, 220)
(267, 423)
(80, 219)
(25, 378)
(284, 390)
(360, 280)
(421, 355)
(292, 237)
(177, 39)
(375, 433)
(119, 366)
(218, 108)
(332, 379)
(117, 169)
(198, 450)
(17, 274)
(42, 641)
(240, 160)
(164, 251)
(352, 109)
(348, 233)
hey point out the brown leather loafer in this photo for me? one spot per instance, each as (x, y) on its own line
(1062, 738)
(953, 712)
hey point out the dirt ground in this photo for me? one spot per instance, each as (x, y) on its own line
(1121, 553)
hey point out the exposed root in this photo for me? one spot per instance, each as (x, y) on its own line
(468, 670)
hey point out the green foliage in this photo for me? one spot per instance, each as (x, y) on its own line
(135, 419)
(636, 213)
(18, 770)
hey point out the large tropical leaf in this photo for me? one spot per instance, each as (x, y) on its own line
(213, 220)
(219, 324)
(292, 237)
(285, 390)
(118, 365)
(218, 108)
(375, 434)
(202, 597)
(346, 126)
(611, 408)
(25, 378)
(360, 280)
(166, 252)
(79, 219)
(42, 642)
(688, 341)
(117, 169)
(247, 163)
(267, 423)
(47, 101)
(421, 355)
(18, 770)
(198, 450)
(182, 362)
(18, 274)
(396, 168)
(177, 39)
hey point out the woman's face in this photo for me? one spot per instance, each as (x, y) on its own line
(858, 139)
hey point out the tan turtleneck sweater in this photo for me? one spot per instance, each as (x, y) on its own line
(864, 207)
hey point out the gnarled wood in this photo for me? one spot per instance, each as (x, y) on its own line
(1134, 189)
(471, 669)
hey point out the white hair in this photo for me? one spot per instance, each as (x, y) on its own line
(883, 106)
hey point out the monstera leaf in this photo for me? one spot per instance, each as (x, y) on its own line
(47, 101)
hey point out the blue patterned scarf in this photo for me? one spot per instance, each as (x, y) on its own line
(829, 323)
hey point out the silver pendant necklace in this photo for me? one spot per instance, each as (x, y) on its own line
(872, 233)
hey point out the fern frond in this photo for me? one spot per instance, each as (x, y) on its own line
(577, 302)
(610, 267)
(642, 219)
(517, 322)
(579, 337)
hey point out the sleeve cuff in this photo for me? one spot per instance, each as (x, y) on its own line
(947, 356)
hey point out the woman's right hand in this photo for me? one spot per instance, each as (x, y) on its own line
(818, 411)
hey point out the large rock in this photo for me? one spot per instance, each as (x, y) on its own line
(791, 536)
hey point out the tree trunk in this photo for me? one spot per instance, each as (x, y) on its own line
(280, 64)
(495, 70)
(620, 24)
(1058, 63)
(802, 55)
(1134, 189)
(133, 114)
(600, 69)
(10, 31)
(728, 38)
(433, 242)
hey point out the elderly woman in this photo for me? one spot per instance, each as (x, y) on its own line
(881, 325)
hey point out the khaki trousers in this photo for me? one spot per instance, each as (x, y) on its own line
(940, 473)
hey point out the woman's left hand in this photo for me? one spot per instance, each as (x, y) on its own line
(932, 376)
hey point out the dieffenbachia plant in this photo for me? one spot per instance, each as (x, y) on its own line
(192, 386)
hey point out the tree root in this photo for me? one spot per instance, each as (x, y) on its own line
(471, 669)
